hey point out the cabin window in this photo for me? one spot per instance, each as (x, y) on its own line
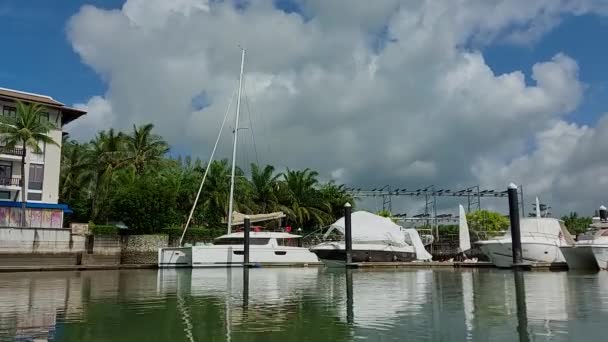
(241, 241)
(288, 242)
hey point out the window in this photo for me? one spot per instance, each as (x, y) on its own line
(36, 177)
(34, 196)
(5, 195)
(288, 242)
(9, 111)
(240, 241)
(6, 172)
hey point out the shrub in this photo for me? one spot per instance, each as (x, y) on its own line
(103, 229)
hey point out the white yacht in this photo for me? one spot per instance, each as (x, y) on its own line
(374, 239)
(266, 248)
(591, 248)
(541, 239)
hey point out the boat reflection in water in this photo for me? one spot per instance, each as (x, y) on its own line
(291, 304)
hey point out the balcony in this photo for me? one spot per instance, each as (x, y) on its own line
(13, 151)
(10, 181)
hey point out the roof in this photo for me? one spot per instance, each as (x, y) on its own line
(239, 219)
(267, 235)
(69, 114)
(30, 97)
(37, 205)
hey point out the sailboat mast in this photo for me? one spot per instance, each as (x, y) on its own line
(236, 137)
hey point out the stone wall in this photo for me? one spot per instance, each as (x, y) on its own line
(142, 249)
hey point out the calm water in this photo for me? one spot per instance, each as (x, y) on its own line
(303, 305)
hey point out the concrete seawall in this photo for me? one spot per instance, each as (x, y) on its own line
(60, 246)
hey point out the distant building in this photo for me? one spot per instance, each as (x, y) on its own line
(42, 169)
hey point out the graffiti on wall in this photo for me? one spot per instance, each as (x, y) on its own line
(34, 217)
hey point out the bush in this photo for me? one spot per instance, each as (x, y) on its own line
(103, 229)
(146, 205)
(194, 234)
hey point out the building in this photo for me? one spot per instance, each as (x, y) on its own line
(42, 169)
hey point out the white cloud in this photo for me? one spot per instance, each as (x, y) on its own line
(99, 116)
(423, 108)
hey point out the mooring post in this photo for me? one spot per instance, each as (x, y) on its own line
(246, 229)
(515, 231)
(348, 237)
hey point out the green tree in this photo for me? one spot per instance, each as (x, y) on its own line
(384, 213)
(337, 197)
(264, 184)
(147, 204)
(576, 224)
(28, 129)
(144, 148)
(75, 178)
(487, 221)
(107, 154)
(301, 199)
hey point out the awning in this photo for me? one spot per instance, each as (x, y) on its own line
(37, 205)
(239, 219)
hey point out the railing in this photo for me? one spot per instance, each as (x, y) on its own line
(10, 181)
(15, 151)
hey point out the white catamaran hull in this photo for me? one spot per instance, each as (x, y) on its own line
(501, 255)
(579, 257)
(227, 256)
(169, 257)
(600, 253)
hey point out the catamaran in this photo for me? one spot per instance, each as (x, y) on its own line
(266, 248)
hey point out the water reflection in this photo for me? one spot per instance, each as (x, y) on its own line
(303, 304)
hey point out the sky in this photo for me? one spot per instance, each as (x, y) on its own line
(451, 93)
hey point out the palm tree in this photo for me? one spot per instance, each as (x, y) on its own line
(144, 147)
(27, 129)
(107, 154)
(303, 200)
(337, 197)
(264, 186)
(75, 171)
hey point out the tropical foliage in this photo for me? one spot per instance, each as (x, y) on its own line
(487, 221)
(130, 178)
(576, 224)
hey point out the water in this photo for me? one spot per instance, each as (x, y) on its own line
(307, 304)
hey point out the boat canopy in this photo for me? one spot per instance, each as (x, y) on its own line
(546, 227)
(239, 218)
(370, 228)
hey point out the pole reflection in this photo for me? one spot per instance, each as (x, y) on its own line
(522, 312)
(350, 314)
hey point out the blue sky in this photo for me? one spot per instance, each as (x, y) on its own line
(40, 58)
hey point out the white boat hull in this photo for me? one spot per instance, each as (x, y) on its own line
(228, 256)
(579, 257)
(601, 256)
(501, 255)
(170, 257)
